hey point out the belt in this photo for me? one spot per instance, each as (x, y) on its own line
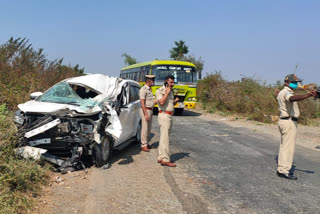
(149, 108)
(167, 112)
(287, 118)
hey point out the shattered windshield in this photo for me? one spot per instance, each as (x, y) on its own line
(65, 94)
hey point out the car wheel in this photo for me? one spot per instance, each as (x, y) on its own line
(138, 133)
(102, 152)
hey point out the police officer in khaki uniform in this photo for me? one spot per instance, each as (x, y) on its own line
(146, 111)
(166, 102)
(289, 114)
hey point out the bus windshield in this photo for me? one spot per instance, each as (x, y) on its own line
(182, 74)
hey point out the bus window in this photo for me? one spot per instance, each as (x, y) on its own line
(141, 74)
(182, 74)
(134, 77)
(147, 70)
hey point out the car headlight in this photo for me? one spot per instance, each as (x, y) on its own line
(194, 99)
(189, 99)
(18, 118)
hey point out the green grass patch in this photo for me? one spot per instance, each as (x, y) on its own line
(20, 179)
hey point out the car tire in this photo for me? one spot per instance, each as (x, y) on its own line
(102, 152)
(138, 133)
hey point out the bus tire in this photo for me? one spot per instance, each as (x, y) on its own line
(155, 111)
(179, 111)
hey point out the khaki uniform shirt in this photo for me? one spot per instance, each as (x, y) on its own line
(145, 93)
(168, 105)
(287, 108)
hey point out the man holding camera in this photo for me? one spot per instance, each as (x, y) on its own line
(166, 102)
(289, 114)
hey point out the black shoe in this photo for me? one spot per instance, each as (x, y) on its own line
(287, 176)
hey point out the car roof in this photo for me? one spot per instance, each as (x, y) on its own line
(99, 82)
(132, 82)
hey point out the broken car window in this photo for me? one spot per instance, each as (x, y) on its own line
(63, 93)
(134, 93)
(83, 92)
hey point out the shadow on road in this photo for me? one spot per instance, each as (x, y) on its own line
(293, 168)
(155, 145)
(187, 113)
(125, 155)
(151, 136)
(177, 156)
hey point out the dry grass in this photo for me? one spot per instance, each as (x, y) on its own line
(247, 97)
(23, 70)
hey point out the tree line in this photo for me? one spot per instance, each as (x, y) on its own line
(178, 52)
(24, 69)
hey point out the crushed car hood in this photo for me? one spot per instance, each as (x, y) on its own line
(57, 109)
(99, 82)
(108, 87)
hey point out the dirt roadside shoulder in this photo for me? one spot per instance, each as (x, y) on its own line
(135, 183)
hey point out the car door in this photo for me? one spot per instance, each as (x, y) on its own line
(135, 108)
(129, 114)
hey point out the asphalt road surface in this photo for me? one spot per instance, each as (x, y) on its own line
(238, 166)
(220, 169)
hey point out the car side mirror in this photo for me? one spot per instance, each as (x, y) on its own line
(34, 95)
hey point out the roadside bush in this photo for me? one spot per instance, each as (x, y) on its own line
(20, 179)
(249, 97)
(7, 128)
(23, 70)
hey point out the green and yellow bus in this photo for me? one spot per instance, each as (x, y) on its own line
(184, 73)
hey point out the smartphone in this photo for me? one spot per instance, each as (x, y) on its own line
(165, 84)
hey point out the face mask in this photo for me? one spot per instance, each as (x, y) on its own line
(293, 85)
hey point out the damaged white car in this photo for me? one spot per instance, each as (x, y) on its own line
(81, 118)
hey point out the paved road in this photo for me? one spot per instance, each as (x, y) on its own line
(238, 166)
(221, 169)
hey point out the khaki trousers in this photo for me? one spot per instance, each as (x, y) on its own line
(165, 123)
(145, 127)
(288, 130)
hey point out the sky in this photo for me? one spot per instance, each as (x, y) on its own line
(263, 39)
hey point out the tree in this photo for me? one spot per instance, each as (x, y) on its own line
(128, 60)
(179, 50)
(199, 63)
